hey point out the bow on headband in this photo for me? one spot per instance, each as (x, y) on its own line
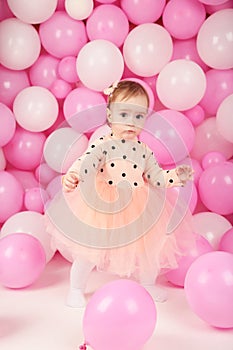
(108, 91)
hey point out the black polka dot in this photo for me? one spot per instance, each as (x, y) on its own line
(124, 156)
(158, 183)
(168, 171)
(93, 165)
(144, 156)
(85, 171)
(88, 152)
(105, 152)
(112, 165)
(171, 181)
(113, 147)
(111, 134)
(148, 176)
(101, 170)
(123, 174)
(135, 183)
(92, 146)
(110, 182)
(134, 148)
(123, 141)
(101, 138)
(135, 166)
(139, 141)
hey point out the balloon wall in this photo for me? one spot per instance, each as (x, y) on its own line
(57, 57)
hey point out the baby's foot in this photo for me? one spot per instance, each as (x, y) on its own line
(157, 293)
(76, 298)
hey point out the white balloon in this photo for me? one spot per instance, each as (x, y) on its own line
(32, 223)
(32, 11)
(80, 9)
(224, 119)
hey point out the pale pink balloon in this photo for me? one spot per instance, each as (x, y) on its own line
(147, 49)
(44, 174)
(84, 109)
(108, 22)
(209, 288)
(63, 147)
(22, 260)
(11, 195)
(177, 276)
(226, 242)
(35, 199)
(211, 226)
(31, 223)
(99, 132)
(9, 123)
(210, 9)
(95, 64)
(143, 11)
(60, 88)
(32, 11)
(181, 84)
(67, 69)
(20, 44)
(216, 188)
(11, 83)
(195, 164)
(214, 40)
(54, 186)
(183, 18)
(208, 139)
(224, 118)
(188, 194)
(169, 134)
(35, 108)
(212, 158)
(62, 36)
(212, 2)
(219, 85)
(196, 115)
(25, 149)
(187, 49)
(44, 71)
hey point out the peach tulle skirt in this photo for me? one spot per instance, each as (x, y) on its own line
(129, 232)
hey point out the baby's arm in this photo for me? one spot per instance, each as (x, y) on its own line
(158, 177)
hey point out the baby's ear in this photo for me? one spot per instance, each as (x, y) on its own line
(108, 114)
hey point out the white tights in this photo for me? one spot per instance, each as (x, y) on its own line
(79, 274)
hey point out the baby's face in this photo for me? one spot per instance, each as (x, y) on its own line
(128, 116)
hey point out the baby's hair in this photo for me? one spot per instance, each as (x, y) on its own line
(127, 89)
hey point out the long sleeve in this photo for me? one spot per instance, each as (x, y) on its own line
(158, 177)
(90, 161)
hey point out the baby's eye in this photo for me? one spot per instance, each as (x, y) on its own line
(123, 115)
(139, 116)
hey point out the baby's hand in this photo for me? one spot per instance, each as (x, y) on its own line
(185, 173)
(70, 181)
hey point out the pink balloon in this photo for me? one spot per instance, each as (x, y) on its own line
(5, 11)
(187, 49)
(210, 9)
(11, 83)
(177, 276)
(169, 134)
(11, 195)
(224, 118)
(219, 85)
(212, 2)
(208, 139)
(209, 288)
(44, 174)
(95, 64)
(214, 40)
(183, 18)
(25, 149)
(9, 122)
(196, 115)
(212, 158)
(216, 188)
(147, 49)
(60, 88)
(22, 260)
(188, 194)
(181, 84)
(20, 44)
(62, 36)
(35, 199)
(108, 22)
(54, 186)
(197, 170)
(84, 109)
(226, 242)
(2, 160)
(211, 226)
(67, 69)
(44, 71)
(143, 11)
(26, 178)
(123, 304)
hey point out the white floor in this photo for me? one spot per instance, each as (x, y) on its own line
(36, 318)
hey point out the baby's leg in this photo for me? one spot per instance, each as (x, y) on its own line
(79, 273)
(158, 294)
